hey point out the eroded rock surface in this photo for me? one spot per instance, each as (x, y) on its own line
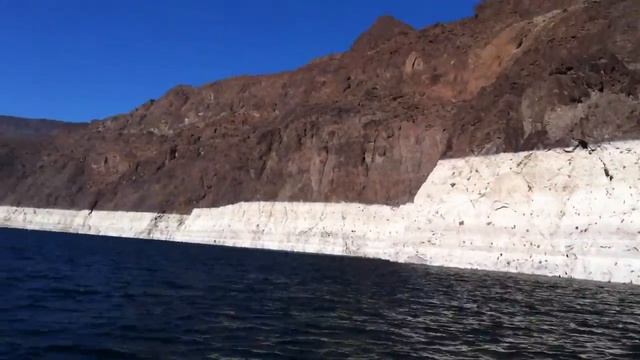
(367, 125)
(547, 212)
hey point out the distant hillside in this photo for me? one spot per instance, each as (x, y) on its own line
(14, 127)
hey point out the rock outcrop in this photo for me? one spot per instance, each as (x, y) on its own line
(556, 212)
(367, 125)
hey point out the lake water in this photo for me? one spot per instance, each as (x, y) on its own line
(74, 296)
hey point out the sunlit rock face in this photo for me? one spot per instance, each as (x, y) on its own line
(367, 125)
(567, 212)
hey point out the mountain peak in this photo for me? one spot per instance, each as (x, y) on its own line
(383, 29)
(494, 9)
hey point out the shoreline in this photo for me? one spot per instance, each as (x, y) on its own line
(555, 213)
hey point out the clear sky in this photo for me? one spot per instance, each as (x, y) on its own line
(79, 60)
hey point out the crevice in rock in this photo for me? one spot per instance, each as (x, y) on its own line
(607, 173)
(93, 206)
(582, 144)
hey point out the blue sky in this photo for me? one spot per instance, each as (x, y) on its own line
(79, 60)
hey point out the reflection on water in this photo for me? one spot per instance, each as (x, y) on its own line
(75, 296)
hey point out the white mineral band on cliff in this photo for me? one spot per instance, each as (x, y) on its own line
(569, 214)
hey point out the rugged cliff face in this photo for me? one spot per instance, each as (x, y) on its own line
(367, 125)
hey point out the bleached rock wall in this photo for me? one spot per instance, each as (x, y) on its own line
(569, 214)
(547, 212)
(108, 223)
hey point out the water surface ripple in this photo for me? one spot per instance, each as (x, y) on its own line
(74, 296)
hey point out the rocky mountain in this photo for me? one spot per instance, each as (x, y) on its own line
(12, 127)
(367, 125)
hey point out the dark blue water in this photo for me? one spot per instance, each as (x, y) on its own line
(69, 296)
